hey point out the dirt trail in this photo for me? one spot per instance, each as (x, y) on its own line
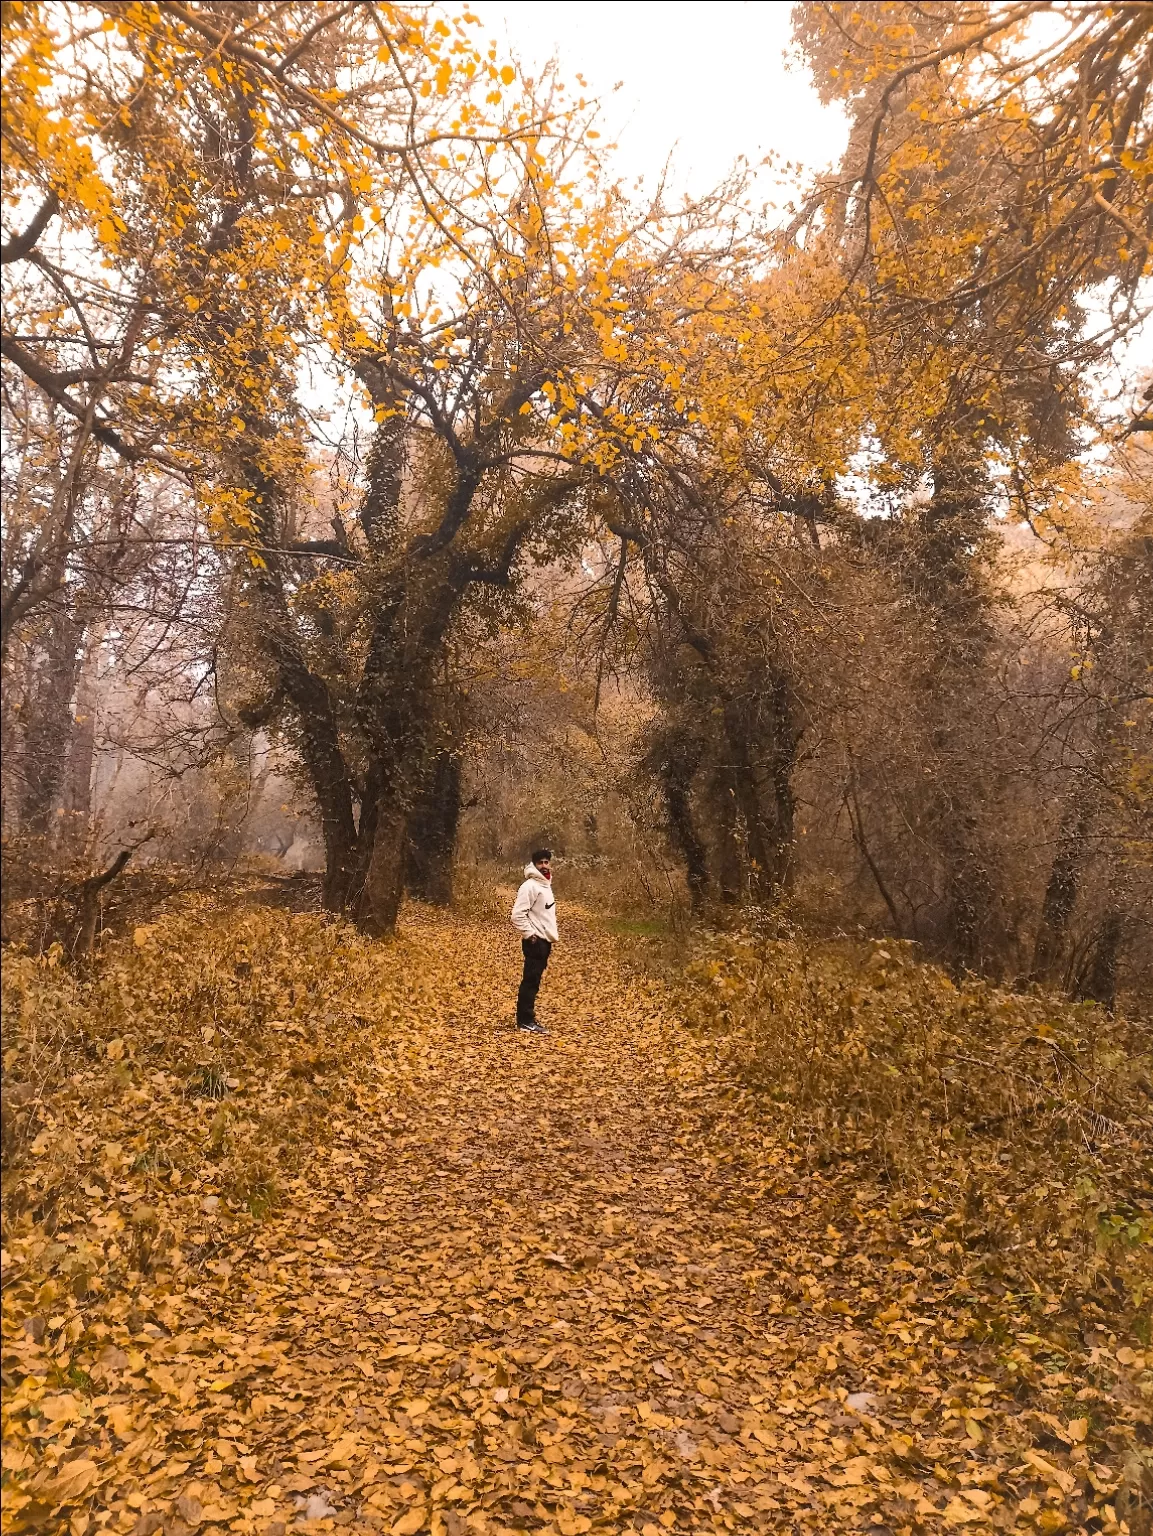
(534, 1289)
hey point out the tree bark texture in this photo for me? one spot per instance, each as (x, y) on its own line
(1098, 982)
(730, 863)
(49, 725)
(82, 757)
(432, 829)
(1062, 888)
(763, 740)
(678, 801)
(969, 892)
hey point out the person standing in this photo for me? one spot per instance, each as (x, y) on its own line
(534, 918)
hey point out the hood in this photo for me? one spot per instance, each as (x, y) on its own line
(531, 872)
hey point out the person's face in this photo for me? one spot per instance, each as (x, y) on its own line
(545, 866)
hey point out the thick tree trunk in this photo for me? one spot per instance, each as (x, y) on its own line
(323, 759)
(673, 758)
(320, 745)
(414, 589)
(970, 894)
(1062, 890)
(48, 733)
(679, 803)
(432, 829)
(759, 849)
(378, 906)
(307, 693)
(238, 790)
(1099, 982)
(337, 828)
(398, 702)
(943, 561)
(763, 742)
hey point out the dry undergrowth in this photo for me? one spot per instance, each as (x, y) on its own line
(993, 1152)
(297, 1231)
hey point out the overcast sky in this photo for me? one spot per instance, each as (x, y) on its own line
(707, 83)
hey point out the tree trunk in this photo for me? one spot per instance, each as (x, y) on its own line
(415, 594)
(680, 812)
(48, 733)
(970, 894)
(339, 833)
(306, 691)
(320, 744)
(759, 851)
(1063, 887)
(78, 930)
(82, 758)
(237, 790)
(432, 829)
(1099, 982)
(673, 758)
(730, 865)
(857, 827)
(763, 742)
(378, 906)
(399, 700)
(784, 743)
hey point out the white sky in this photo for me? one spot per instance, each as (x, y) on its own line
(706, 82)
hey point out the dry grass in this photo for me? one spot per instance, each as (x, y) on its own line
(1002, 1142)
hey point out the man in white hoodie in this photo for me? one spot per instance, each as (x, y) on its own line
(534, 918)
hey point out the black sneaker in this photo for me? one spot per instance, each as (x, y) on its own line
(531, 1028)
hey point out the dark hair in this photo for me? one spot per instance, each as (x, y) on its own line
(541, 853)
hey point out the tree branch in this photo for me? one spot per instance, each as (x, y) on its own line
(21, 246)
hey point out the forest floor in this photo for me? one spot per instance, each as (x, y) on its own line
(508, 1283)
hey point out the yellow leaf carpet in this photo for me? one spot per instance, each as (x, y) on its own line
(351, 1253)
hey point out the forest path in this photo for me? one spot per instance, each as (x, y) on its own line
(534, 1288)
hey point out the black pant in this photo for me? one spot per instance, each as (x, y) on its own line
(536, 953)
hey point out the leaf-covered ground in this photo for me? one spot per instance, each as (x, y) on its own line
(300, 1234)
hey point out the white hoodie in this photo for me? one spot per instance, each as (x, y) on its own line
(534, 910)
